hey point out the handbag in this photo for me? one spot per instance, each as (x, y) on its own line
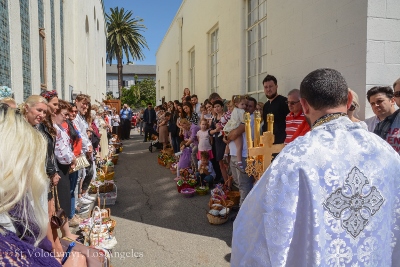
(81, 163)
(59, 218)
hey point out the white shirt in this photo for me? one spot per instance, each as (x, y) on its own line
(197, 109)
(306, 209)
(371, 123)
(233, 150)
(83, 126)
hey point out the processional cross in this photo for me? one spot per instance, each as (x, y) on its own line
(261, 155)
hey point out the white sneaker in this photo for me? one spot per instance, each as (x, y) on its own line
(84, 201)
(82, 206)
(82, 211)
(87, 196)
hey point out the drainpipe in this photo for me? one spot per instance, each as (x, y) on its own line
(180, 85)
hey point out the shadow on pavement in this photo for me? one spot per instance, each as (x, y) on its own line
(147, 193)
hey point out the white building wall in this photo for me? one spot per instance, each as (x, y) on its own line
(85, 52)
(15, 49)
(359, 38)
(199, 17)
(383, 44)
(307, 35)
(88, 76)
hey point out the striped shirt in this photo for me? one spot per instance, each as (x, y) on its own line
(292, 123)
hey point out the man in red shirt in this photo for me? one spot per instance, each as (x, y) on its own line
(295, 118)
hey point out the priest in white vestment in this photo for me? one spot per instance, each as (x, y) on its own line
(330, 198)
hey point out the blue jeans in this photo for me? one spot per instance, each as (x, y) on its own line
(176, 140)
(205, 178)
(73, 179)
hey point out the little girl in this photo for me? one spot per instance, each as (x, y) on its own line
(204, 139)
(237, 118)
(206, 173)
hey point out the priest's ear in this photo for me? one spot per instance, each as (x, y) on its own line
(305, 106)
(349, 100)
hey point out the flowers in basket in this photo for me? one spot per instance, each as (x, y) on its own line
(186, 172)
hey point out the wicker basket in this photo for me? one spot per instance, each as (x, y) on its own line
(109, 198)
(100, 175)
(202, 192)
(212, 219)
(234, 196)
(168, 165)
(109, 176)
(105, 188)
(107, 169)
(173, 171)
(114, 159)
(168, 151)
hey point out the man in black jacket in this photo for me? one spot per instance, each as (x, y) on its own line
(149, 119)
(276, 105)
(389, 128)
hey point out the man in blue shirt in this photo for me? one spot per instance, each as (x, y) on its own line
(126, 116)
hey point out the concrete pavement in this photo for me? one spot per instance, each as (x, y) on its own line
(156, 226)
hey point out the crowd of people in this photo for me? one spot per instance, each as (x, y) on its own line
(64, 133)
(292, 214)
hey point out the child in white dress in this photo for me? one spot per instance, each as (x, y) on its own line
(237, 118)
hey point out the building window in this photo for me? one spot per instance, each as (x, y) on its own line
(42, 59)
(192, 71)
(5, 65)
(214, 48)
(256, 44)
(26, 48)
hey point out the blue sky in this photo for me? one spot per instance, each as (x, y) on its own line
(157, 16)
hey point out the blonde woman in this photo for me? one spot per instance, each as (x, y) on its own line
(23, 190)
(353, 110)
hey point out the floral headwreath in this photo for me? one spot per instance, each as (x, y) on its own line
(49, 94)
(5, 92)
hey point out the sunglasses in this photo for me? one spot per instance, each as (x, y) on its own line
(292, 102)
(397, 94)
(352, 107)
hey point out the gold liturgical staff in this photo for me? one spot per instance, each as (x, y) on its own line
(260, 155)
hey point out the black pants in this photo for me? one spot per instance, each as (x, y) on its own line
(148, 131)
(64, 188)
(88, 176)
(125, 129)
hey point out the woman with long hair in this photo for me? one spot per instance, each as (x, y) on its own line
(24, 185)
(83, 106)
(186, 93)
(190, 114)
(214, 131)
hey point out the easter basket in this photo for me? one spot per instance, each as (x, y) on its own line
(188, 192)
(202, 191)
(109, 176)
(218, 214)
(114, 159)
(234, 196)
(100, 175)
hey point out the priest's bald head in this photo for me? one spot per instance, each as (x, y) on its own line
(324, 91)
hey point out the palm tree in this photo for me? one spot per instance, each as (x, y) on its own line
(123, 37)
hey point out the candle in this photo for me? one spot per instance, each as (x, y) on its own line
(257, 122)
(270, 121)
(248, 130)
